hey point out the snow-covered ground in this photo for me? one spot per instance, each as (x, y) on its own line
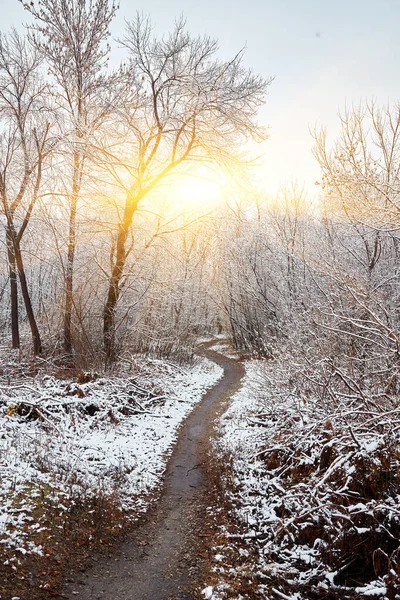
(67, 440)
(315, 495)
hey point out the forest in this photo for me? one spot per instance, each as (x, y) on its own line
(116, 268)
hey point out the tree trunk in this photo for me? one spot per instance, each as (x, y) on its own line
(113, 296)
(69, 276)
(115, 280)
(37, 343)
(13, 291)
(69, 282)
(109, 320)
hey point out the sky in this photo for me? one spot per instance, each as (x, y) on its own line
(322, 54)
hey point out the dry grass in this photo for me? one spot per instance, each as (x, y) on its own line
(68, 537)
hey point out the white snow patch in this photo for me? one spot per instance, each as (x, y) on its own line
(116, 439)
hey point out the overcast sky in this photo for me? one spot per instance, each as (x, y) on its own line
(322, 54)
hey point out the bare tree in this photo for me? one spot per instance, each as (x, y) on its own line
(361, 185)
(291, 212)
(361, 171)
(72, 35)
(24, 146)
(182, 106)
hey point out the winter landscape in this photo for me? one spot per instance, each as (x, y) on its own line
(199, 301)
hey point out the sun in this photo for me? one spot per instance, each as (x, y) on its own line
(201, 190)
(195, 190)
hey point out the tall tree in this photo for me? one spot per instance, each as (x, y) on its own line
(24, 146)
(183, 106)
(72, 35)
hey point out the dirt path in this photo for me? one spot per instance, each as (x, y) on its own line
(167, 552)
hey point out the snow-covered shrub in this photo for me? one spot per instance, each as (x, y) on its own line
(316, 486)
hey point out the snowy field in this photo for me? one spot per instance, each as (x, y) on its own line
(64, 441)
(315, 495)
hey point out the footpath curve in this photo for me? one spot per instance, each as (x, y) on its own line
(165, 555)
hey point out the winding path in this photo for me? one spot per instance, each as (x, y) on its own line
(165, 555)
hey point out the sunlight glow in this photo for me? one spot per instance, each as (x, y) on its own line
(201, 191)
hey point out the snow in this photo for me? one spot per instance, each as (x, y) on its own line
(291, 511)
(111, 435)
(375, 588)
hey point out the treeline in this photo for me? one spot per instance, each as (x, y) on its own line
(95, 264)
(315, 289)
(320, 282)
(84, 152)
